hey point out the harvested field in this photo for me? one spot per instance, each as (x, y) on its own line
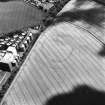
(17, 14)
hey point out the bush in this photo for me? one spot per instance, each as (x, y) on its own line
(48, 21)
(40, 7)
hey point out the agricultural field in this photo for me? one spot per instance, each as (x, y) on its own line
(17, 14)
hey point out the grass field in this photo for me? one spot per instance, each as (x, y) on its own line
(17, 14)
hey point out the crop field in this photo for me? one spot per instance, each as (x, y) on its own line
(17, 14)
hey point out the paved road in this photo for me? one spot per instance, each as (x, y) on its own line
(17, 14)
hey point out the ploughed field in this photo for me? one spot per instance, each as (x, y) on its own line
(17, 14)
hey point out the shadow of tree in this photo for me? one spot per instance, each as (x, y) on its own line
(93, 16)
(102, 51)
(81, 95)
(80, 2)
